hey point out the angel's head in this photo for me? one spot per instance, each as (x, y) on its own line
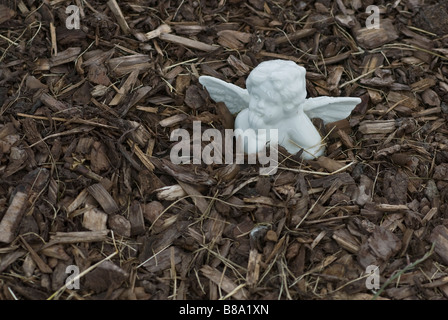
(277, 88)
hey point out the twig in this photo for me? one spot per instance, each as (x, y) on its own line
(309, 211)
(407, 268)
(317, 172)
(195, 44)
(79, 121)
(116, 10)
(79, 276)
(141, 155)
(406, 46)
(393, 107)
(360, 77)
(6, 107)
(153, 256)
(9, 40)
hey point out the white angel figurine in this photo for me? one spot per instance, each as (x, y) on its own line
(275, 98)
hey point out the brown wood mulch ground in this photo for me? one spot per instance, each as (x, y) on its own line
(86, 179)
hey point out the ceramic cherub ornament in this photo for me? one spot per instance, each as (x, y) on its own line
(275, 98)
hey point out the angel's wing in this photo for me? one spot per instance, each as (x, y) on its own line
(330, 109)
(235, 98)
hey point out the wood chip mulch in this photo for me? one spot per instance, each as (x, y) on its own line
(86, 181)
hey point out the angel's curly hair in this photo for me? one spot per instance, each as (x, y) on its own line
(287, 81)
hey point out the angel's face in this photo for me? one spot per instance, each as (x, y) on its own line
(276, 89)
(264, 106)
